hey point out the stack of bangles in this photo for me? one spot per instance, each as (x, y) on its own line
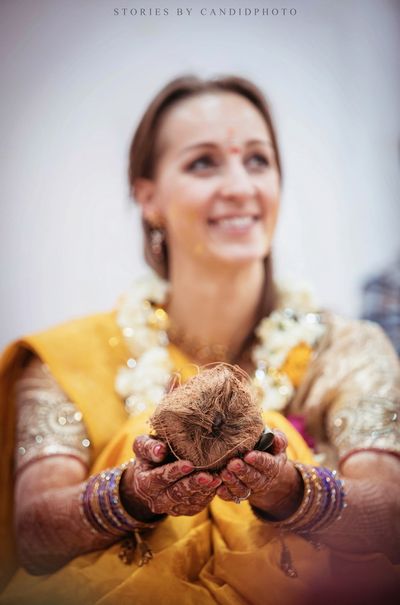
(101, 506)
(322, 504)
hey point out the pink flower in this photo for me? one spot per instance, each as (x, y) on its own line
(299, 424)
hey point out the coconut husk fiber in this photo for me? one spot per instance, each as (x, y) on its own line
(211, 418)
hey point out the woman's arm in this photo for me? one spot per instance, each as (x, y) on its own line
(369, 523)
(51, 528)
(51, 461)
(350, 400)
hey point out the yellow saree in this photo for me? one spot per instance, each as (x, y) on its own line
(223, 555)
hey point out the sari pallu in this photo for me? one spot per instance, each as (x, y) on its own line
(223, 555)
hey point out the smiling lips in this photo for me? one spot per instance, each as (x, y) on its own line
(237, 224)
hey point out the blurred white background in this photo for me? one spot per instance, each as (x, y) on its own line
(75, 80)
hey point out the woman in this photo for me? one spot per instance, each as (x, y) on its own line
(205, 169)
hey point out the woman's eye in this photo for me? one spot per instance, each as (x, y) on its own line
(202, 163)
(258, 160)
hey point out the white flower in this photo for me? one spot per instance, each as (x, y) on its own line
(275, 391)
(141, 340)
(148, 288)
(143, 384)
(281, 332)
(125, 382)
(157, 356)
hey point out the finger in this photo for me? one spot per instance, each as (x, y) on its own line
(279, 443)
(189, 510)
(224, 493)
(236, 487)
(149, 449)
(247, 474)
(187, 496)
(189, 492)
(167, 474)
(151, 484)
(206, 481)
(265, 463)
(197, 487)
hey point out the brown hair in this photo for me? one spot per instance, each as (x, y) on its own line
(144, 151)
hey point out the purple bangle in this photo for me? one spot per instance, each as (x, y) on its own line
(101, 507)
(323, 505)
(115, 505)
(105, 508)
(94, 506)
(332, 505)
(87, 508)
(322, 502)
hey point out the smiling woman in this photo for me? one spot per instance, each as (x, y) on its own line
(205, 169)
(215, 195)
(213, 148)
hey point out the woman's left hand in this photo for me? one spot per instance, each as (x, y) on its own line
(269, 481)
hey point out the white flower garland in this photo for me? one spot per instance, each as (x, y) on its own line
(144, 379)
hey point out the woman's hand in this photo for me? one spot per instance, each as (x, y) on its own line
(269, 481)
(151, 488)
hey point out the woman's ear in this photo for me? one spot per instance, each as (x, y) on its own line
(144, 193)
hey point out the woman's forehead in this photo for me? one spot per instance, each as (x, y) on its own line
(212, 116)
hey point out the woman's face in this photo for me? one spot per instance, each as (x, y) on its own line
(216, 188)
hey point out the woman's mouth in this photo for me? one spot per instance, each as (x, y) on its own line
(234, 224)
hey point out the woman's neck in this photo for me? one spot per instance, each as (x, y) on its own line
(214, 306)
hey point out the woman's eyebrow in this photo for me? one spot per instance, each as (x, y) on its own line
(214, 145)
(197, 145)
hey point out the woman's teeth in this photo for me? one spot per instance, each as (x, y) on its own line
(235, 221)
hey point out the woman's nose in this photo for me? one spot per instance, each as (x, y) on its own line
(237, 183)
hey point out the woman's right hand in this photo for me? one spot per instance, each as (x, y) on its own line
(150, 487)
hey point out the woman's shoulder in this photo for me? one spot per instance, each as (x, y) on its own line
(82, 338)
(97, 326)
(350, 334)
(340, 331)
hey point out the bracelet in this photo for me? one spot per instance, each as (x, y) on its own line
(322, 505)
(101, 507)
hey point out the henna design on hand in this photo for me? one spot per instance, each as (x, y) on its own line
(150, 449)
(233, 488)
(256, 476)
(172, 488)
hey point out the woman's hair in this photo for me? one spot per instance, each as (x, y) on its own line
(144, 150)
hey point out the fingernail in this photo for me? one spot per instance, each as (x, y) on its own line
(216, 482)
(237, 465)
(251, 457)
(203, 480)
(186, 468)
(159, 449)
(227, 475)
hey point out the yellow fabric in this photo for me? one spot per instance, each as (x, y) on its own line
(223, 555)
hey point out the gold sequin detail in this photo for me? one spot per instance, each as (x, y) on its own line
(48, 423)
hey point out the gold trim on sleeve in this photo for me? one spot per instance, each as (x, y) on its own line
(48, 423)
(370, 423)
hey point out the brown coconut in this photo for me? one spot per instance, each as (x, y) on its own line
(211, 418)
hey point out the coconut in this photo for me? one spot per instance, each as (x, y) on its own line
(211, 418)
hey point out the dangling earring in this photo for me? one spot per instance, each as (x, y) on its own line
(157, 238)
